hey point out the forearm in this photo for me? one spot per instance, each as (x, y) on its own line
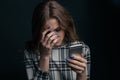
(81, 76)
(44, 63)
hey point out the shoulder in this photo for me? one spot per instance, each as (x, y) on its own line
(29, 53)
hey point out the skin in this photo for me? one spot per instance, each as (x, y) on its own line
(55, 38)
(56, 35)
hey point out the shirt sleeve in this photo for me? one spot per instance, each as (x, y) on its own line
(32, 70)
(88, 58)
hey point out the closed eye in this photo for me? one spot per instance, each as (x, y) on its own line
(57, 30)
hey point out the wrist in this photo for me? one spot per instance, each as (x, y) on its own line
(81, 76)
(44, 63)
(45, 57)
(45, 54)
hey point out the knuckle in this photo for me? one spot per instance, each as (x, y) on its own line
(54, 41)
(48, 46)
(52, 44)
(75, 62)
(43, 33)
(50, 39)
(81, 69)
(80, 72)
(47, 35)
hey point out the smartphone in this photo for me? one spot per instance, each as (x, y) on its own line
(76, 49)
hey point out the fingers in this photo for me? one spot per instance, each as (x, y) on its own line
(79, 68)
(52, 41)
(77, 63)
(49, 38)
(77, 71)
(55, 41)
(79, 58)
(44, 33)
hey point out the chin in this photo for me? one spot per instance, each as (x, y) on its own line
(58, 44)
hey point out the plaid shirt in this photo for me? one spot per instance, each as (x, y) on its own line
(58, 69)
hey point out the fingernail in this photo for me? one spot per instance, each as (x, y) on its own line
(67, 59)
(71, 56)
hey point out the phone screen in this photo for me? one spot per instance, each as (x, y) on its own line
(76, 49)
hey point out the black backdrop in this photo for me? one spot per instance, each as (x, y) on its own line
(93, 20)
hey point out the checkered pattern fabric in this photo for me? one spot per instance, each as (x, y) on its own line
(58, 70)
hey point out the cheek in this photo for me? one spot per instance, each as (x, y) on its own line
(61, 35)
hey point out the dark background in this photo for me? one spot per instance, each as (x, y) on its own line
(95, 21)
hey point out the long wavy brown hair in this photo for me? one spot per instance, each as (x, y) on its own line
(43, 12)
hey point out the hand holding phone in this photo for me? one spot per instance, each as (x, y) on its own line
(76, 60)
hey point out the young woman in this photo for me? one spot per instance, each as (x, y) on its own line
(47, 54)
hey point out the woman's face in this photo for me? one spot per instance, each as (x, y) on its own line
(53, 25)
